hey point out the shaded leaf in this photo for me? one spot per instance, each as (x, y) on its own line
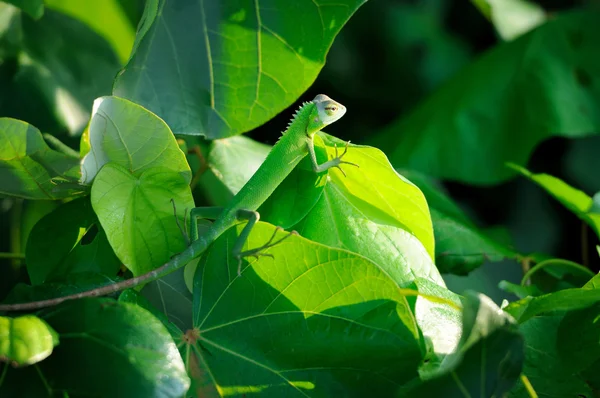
(225, 68)
(69, 240)
(549, 375)
(106, 17)
(578, 202)
(171, 297)
(28, 165)
(563, 300)
(67, 64)
(460, 246)
(488, 360)
(127, 134)
(134, 297)
(137, 214)
(107, 348)
(504, 104)
(35, 8)
(25, 340)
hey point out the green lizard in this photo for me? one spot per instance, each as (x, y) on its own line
(295, 143)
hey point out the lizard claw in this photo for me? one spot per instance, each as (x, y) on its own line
(339, 158)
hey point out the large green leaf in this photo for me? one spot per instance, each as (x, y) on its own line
(123, 132)
(69, 240)
(312, 321)
(222, 68)
(137, 214)
(35, 8)
(25, 340)
(488, 360)
(373, 211)
(460, 246)
(106, 17)
(500, 107)
(578, 202)
(107, 349)
(27, 164)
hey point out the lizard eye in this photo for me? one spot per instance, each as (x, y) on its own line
(330, 110)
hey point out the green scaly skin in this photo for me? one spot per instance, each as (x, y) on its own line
(292, 147)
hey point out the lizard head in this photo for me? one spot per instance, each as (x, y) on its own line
(325, 112)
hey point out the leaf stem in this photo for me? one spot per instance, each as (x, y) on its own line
(528, 386)
(554, 261)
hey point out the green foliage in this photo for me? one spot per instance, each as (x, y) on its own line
(239, 65)
(28, 165)
(460, 246)
(578, 202)
(114, 339)
(314, 319)
(488, 359)
(35, 8)
(356, 302)
(466, 131)
(68, 241)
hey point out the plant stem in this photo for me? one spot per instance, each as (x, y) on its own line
(555, 261)
(528, 386)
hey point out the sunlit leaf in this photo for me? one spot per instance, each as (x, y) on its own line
(25, 340)
(512, 18)
(223, 68)
(137, 214)
(127, 134)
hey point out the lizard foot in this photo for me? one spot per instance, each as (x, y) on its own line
(338, 159)
(259, 251)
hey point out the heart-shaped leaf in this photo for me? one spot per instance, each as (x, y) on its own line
(127, 134)
(137, 214)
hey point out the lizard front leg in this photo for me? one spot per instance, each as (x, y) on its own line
(335, 162)
(252, 217)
